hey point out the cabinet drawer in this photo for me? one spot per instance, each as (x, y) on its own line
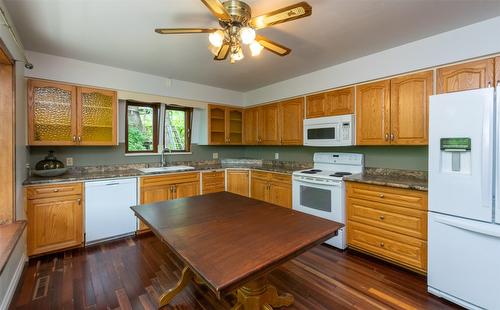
(261, 175)
(406, 221)
(207, 189)
(213, 178)
(390, 195)
(401, 249)
(278, 177)
(170, 179)
(56, 190)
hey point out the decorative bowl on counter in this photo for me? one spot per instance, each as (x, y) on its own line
(50, 172)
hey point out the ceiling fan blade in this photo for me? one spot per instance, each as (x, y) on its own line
(216, 7)
(272, 46)
(223, 52)
(184, 30)
(286, 14)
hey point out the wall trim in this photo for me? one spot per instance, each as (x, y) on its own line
(9, 294)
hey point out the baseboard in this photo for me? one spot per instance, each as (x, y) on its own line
(13, 283)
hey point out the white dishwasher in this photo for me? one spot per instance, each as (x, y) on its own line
(107, 209)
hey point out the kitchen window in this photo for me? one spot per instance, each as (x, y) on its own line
(177, 129)
(141, 127)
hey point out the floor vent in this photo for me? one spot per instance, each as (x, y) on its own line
(41, 287)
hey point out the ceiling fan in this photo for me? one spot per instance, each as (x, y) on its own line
(238, 28)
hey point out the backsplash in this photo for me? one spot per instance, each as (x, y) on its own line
(394, 157)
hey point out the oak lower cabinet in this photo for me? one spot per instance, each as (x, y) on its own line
(395, 111)
(212, 181)
(55, 217)
(466, 76)
(168, 187)
(389, 223)
(238, 181)
(275, 188)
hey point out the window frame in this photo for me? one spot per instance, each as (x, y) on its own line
(188, 127)
(156, 108)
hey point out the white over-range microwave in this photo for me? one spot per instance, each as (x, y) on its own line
(329, 131)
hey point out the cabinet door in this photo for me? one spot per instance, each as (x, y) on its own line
(216, 124)
(340, 102)
(466, 76)
(292, 121)
(260, 189)
(268, 124)
(183, 190)
(281, 194)
(97, 109)
(373, 113)
(410, 108)
(251, 125)
(54, 224)
(51, 113)
(497, 71)
(151, 194)
(315, 105)
(234, 126)
(237, 182)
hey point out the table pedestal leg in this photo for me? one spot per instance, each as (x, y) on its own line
(186, 277)
(259, 295)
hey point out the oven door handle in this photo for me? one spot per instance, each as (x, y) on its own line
(338, 184)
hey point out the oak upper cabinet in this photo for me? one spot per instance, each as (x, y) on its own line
(410, 108)
(96, 116)
(238, 182)
(225, 125)
(497, 71)
(55, 217)
(373, 113)
(466, 76)
(335, 102)
(269, 129)
(63, 114)
(291, 120)
(251, 126)
(52, 113)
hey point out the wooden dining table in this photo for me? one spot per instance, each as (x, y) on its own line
(230, 243)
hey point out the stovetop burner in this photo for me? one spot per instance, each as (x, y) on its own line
(312, 171)
(340, 174)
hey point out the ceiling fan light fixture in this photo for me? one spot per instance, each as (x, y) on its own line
(216, 38)
(213, 49)
(247, 35)
(237, 55)
(256, 48)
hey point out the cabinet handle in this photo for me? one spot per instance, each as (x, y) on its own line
(392, 137)
(498, 83)
(381, 195)
(386, 137)
(79, 201)
(382, 217)
(382, 244)
(79, 139)
(56, 190)
(74, 138)
(489, 84)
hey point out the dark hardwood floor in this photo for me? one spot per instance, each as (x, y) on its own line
(129, 274)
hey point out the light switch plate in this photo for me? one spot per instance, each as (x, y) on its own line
(69, 161)
(215, 155)
(276, 155)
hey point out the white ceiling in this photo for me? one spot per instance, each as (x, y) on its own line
(120, 33)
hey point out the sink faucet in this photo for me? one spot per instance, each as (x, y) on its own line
(165, 150)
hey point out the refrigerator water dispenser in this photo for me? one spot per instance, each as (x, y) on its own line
(456, 155)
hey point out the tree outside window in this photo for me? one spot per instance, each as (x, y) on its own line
(141, 127)
(177, 129)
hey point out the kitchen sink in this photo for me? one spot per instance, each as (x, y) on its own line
(166, 169)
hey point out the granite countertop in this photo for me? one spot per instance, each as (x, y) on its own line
(132, 170)
(408, 179)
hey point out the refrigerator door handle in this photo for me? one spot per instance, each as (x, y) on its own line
(491, 230)
(487, 157)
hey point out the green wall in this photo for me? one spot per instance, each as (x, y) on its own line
(412, 158)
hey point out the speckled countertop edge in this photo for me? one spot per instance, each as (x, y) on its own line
(406, 179)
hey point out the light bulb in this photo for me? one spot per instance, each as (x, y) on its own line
(256, 48)
(213, 49)
(238, 55)
(216, 38)
(247, 35)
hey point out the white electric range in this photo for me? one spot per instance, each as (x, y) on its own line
(321, 192)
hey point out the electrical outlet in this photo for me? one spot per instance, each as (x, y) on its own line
(215, 155)
(276, 155)
(69, 161)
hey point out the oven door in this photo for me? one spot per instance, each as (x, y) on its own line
(319, 198)
(322, 134)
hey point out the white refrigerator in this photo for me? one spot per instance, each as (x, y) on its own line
(464, 179)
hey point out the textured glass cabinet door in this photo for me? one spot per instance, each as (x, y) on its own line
(52, 113)
(97, 116)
